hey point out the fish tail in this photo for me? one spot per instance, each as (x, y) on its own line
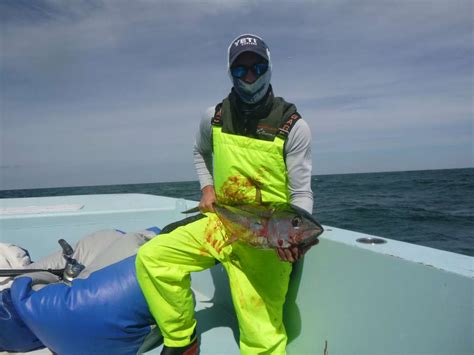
(192, 210)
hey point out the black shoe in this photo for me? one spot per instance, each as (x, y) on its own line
(191, 349)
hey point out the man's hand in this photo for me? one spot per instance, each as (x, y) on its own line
(293, 253)
(208, 199)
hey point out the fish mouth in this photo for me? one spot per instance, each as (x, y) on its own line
(307, 233)
(316, 229)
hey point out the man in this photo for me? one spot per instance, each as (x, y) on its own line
(251, 148)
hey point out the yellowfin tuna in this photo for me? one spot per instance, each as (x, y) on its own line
(268, 226)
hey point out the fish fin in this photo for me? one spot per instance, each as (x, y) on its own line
(230, 241)
(258, 195)
(258, 189)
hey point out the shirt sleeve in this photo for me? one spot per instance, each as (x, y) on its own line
(202, 150)
(299, 165)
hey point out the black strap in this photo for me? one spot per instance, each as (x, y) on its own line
(287, 126)
(172, 226)
(17, 272)
(217, 119)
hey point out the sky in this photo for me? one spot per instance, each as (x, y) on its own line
(101, 92)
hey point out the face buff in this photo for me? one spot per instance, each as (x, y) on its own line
(254, 92)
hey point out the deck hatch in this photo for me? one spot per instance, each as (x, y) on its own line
(371, 240)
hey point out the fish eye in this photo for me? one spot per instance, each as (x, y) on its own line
(295, 222)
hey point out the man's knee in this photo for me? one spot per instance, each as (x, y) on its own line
(150, 252)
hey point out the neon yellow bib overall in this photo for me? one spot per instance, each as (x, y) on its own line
(246, 170)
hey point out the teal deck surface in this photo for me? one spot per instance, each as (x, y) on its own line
(345, 297)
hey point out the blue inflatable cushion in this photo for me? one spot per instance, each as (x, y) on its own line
(103, 314)
(15, 336)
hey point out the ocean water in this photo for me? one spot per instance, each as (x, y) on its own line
(433, 208)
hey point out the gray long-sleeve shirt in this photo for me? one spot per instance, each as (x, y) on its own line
(297, 158)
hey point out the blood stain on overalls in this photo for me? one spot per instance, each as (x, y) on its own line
(238, 293)
(213, 229)
(239, 189)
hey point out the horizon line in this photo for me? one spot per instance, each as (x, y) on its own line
(197, 181)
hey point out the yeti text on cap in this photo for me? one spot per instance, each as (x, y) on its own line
(246, 41)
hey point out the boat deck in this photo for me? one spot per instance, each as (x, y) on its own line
(345, 297)
(217, 329)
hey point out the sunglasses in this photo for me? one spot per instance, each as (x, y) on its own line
(240, 71)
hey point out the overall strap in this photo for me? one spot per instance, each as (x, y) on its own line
(287, 126)
(217, 119)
